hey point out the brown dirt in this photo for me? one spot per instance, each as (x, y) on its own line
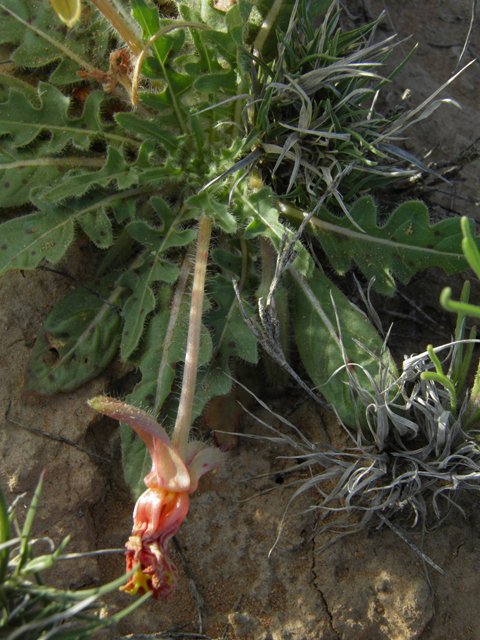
(370, 585)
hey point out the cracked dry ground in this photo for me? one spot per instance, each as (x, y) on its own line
(368, 586)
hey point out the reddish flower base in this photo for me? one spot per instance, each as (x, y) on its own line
(158, 515)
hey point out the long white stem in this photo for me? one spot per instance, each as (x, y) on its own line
(184, 414)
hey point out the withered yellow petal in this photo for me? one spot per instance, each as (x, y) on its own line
(67, 10)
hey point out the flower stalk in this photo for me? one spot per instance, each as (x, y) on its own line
(177, 464)
(184, 414)
(120, 26)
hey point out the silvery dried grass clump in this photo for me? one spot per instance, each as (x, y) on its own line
(415, 444)
(407, 461)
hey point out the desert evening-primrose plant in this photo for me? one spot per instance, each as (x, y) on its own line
(196, 151)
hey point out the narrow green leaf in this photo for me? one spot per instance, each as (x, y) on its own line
(4, 535)
(318, 338)
(135, 310)
(169, 171)
(149, 129)
(27, 526)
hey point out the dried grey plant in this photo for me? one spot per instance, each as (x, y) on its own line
(418, 446)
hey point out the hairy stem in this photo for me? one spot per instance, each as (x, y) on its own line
(120, 26)
(184, 415)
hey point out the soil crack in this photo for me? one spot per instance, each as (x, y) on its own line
(321, 594)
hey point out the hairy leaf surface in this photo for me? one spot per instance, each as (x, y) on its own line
(149, 129)
(231, 338)
(150, 268)
(114, 172)
(47, 234)
(29, 162)
(26, 241)
(21, 170)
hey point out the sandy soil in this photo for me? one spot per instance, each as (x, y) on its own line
(369, 586)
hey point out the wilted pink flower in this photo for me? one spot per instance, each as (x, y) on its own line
(159, 511)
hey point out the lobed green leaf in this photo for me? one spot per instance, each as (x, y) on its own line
(115, 171)
(24, 121)
(42, 39)
(78, 340)
(47, 234)
(404, 245)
